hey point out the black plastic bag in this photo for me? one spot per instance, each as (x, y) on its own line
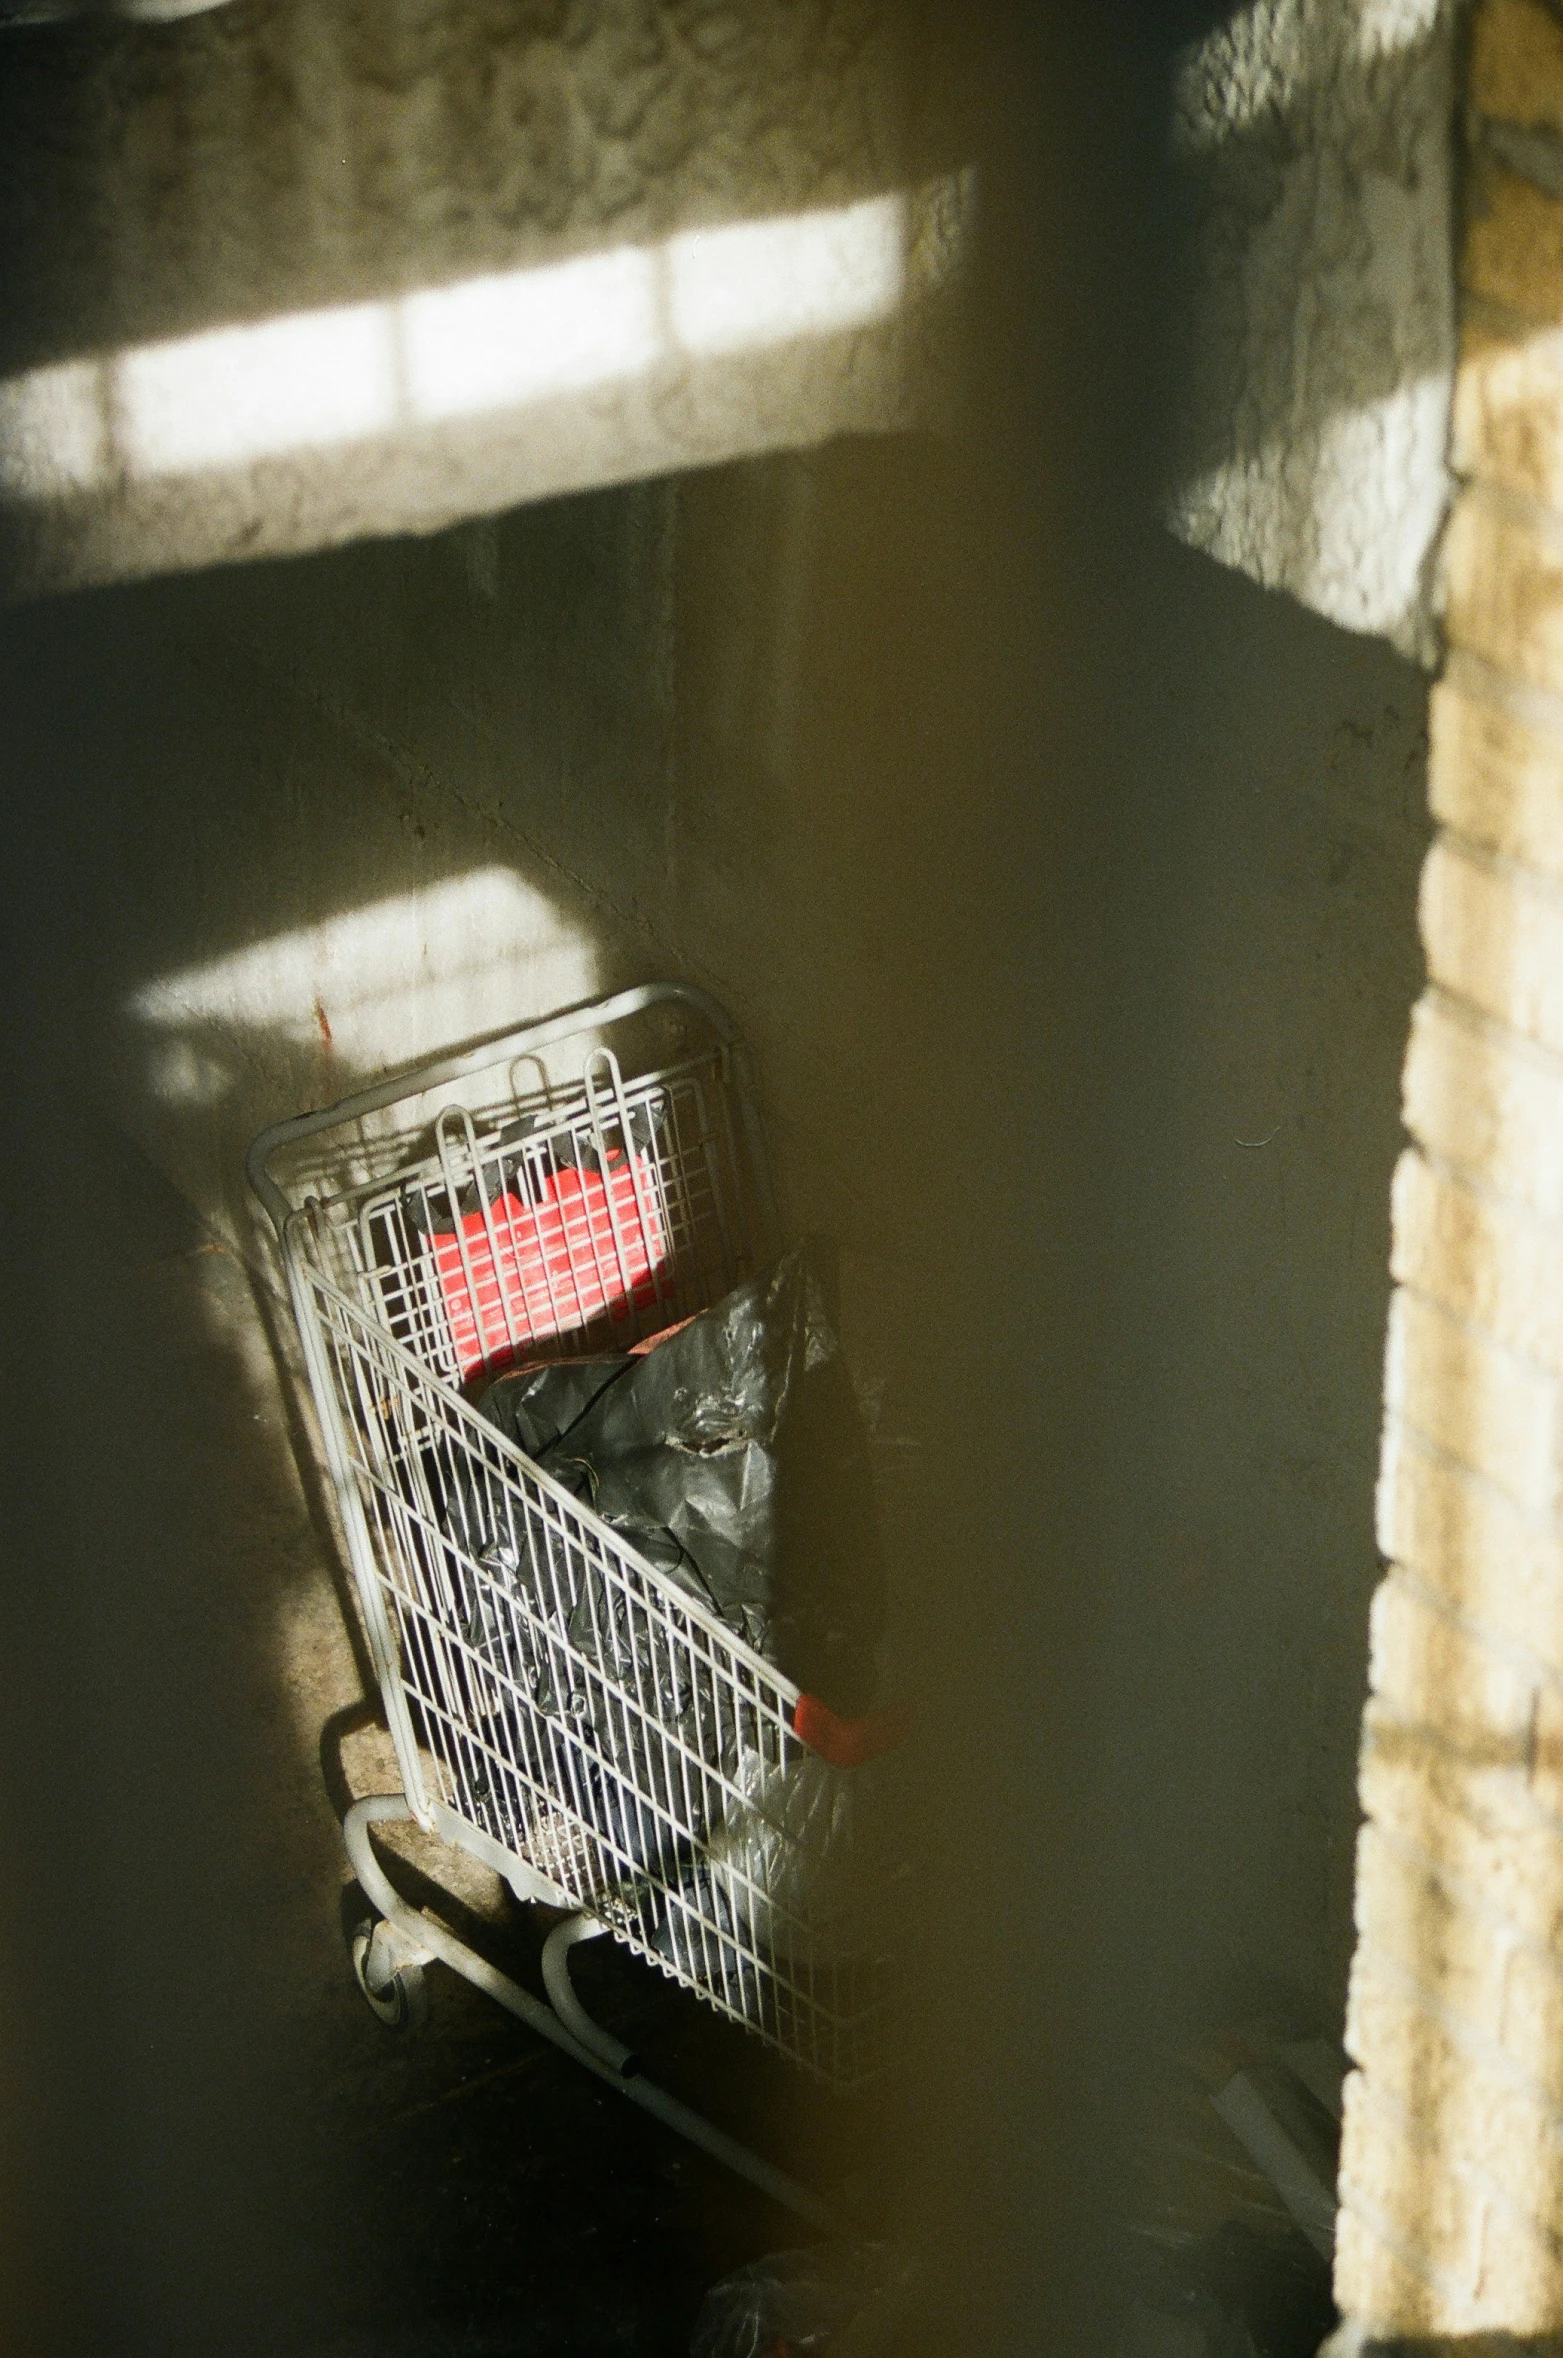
(731, 1455)
(790, 2305)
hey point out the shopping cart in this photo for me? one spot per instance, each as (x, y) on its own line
(562, 1710)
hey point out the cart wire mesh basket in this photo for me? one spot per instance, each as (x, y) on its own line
(559, 1705)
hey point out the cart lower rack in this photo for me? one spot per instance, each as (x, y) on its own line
(561, 1709)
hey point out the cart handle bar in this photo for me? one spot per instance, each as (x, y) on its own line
(416, 1078)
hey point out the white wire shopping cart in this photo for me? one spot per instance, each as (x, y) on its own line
(560, 1709)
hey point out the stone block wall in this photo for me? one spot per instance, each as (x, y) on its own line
(1451, 2220)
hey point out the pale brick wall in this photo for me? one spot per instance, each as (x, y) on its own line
(1452, 2162)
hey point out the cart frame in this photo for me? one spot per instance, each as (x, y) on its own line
(683, 1208)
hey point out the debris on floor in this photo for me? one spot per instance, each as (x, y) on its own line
(798, 2304)
(1232, 2220)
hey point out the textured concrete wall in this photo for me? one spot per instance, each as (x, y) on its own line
(395, 795)
(1314, 147)
(1270, 903)
(1452, 2170)
(425, 790)
(285, 275)
(345, 807)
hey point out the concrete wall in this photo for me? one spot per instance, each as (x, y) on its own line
(1269, 937)
(1315, 154)
(283, 276)
(654, 731)
(387, 799)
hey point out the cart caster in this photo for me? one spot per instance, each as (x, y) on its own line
(394, 1985)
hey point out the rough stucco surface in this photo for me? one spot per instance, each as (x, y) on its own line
(383, 799)
(284, 157)
(275, 156)
(1314, 147)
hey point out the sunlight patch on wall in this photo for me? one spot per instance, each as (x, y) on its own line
(1263, 62)
(768, 282)
(54, 431)
(318, 379)
(1343, 511)
(1313, 154)
(421, 409)
(365, 991)
(517, 334)
(207, 401)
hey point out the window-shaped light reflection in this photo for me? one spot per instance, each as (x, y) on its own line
(519, 334)
(399, 978)
(488, 346)
(239, 393)
(754, 283)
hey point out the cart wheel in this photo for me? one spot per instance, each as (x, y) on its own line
(402, 2003)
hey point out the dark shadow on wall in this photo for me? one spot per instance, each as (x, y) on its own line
(1271, 959)
(201, 2086)
(222, 2148)
(807, 830)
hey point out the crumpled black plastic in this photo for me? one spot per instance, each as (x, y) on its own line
(731, 1456)
(794, 2302)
